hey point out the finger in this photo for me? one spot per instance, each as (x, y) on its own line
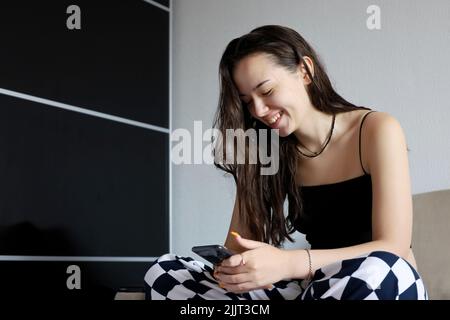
(231, 270)
(267, 287)
(238, 288)
(233, 261)
(247, 243)
(215, 273)
(246, 287)
(233, 278)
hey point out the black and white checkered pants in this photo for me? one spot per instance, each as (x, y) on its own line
(377, 275)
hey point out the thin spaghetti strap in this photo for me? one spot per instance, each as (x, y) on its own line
(360, 129)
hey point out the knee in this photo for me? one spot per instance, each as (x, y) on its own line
(166, 257)
(376, 275)
(385, 261)
(163, 261)
(390, 275)
(160, 267)
(171, 263)
(386, 256)
(375, 270)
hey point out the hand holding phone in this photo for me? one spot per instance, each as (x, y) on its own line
(213, 253)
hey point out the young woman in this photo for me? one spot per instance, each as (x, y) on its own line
(343, 170)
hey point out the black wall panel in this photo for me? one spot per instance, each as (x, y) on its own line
(116, 63)
(101, 184)
(164, 2)
(79, 185)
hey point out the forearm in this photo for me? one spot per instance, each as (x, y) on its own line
(298, 265)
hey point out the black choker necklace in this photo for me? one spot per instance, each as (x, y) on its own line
(313, 153)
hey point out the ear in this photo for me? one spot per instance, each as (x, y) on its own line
(307, 61)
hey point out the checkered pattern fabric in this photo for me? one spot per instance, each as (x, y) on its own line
(378, 275)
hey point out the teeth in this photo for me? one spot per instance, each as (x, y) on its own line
(275, 118)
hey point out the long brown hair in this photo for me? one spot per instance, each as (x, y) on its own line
(261, 197)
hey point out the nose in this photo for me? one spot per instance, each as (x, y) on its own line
(260, 108)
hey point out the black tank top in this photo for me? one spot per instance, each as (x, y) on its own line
(339, 214)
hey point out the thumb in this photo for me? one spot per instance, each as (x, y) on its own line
(247, 243)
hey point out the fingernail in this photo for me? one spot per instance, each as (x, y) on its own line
(234, 233)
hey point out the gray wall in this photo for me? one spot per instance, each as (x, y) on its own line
(402, 69)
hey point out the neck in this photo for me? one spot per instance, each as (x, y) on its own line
(314, 128)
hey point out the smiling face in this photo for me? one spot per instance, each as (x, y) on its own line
(272, 94)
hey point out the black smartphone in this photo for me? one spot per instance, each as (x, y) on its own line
(213, 253)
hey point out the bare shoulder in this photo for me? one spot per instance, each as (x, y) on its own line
(382, 125)
(382, 136)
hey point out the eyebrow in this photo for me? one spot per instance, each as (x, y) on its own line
(259, 85)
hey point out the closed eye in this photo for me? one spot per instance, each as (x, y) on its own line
(267, 93)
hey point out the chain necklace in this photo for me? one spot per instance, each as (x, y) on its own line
(316, 153)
